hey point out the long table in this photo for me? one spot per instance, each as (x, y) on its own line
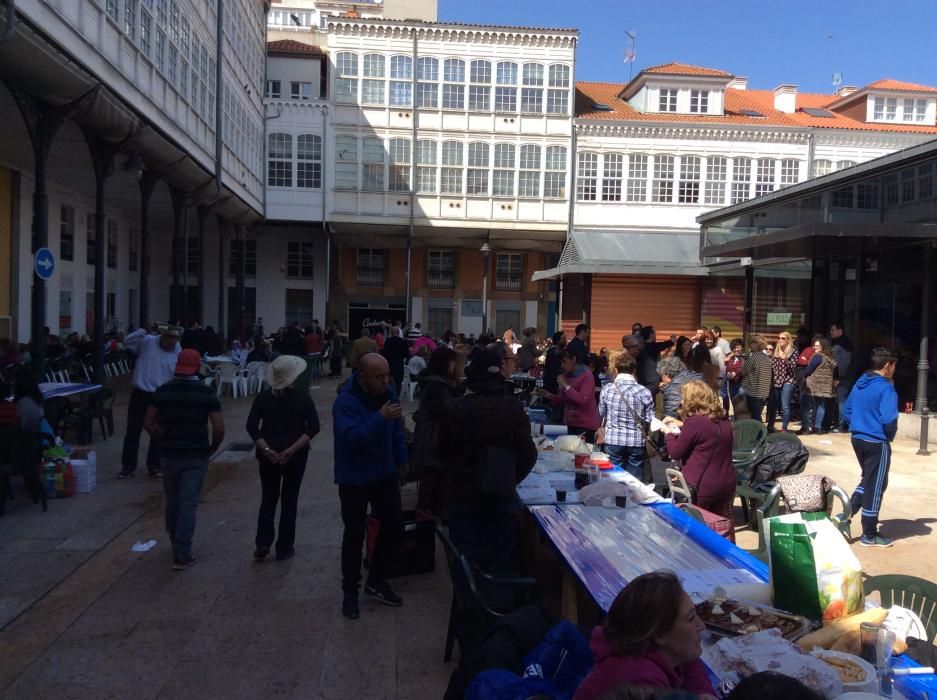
(52, 390)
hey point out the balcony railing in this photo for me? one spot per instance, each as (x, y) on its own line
(438, 279)
(507, 283)
(370, 277)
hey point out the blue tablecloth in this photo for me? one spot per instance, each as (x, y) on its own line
(52, 390)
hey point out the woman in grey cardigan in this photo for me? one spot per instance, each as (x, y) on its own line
(674, 374)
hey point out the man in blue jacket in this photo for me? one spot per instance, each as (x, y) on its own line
(872, 413)
(369, 449)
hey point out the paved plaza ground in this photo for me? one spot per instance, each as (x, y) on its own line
(81, 616)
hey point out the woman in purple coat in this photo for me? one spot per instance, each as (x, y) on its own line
(704, 444)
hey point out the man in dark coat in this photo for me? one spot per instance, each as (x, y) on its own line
(396, 352)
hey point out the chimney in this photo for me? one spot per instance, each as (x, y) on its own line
(739, 82)
(785, 98)
(846, 90)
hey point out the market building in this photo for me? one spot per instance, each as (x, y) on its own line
(679, 141)
(132, 149)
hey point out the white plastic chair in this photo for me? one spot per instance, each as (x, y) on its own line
(255, 373)
(228, 374)
(408, 387)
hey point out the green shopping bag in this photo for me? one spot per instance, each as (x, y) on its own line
(813, 571)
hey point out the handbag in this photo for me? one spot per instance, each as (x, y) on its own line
(805, 493)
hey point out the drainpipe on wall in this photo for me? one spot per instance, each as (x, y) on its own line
(811, 153)
(572, 185)
(412, 181)
(11, 20)
(324, 111)
(219, 96)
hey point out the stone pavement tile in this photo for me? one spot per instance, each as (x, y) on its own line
(29, 544)
(83, 544)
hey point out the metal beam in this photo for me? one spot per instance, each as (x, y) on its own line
(148, 180)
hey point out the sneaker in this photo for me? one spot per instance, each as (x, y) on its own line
(261, 553)
(382, 592)
(876, 541)
(124, 474)
(350, 606)
(182, 564)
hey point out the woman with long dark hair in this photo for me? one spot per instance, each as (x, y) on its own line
(282, 423)
(819, 379)
(437, 388)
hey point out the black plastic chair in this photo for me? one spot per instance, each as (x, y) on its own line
(100, 406)
(21, 455)
(63, 419)
(472, 612)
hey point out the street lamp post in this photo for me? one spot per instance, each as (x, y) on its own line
(485, 251)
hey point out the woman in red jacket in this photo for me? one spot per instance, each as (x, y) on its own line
(704, 443)
(650, 639)
(576, 395)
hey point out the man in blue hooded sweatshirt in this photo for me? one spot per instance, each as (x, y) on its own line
(369, 449)
(872, 413)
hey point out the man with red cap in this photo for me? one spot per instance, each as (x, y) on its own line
(178, 416)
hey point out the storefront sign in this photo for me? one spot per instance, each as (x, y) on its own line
(779, 319)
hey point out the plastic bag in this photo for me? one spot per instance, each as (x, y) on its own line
(813, 570)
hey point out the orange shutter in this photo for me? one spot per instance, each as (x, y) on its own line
(670, 304)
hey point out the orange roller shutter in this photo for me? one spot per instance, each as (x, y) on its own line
(670, 304)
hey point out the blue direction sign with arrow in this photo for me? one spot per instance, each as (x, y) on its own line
(45, 263)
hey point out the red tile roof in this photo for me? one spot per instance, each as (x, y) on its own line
(291, 47)
(686, 69)
(762, 101)
(889, 84)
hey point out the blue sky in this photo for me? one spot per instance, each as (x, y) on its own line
(770, 41)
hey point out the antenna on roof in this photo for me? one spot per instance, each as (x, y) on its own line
(630, 52)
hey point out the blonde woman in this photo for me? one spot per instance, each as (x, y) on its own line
(704, 444)
(783, 364)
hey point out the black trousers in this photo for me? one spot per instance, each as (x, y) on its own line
(384, 497)
(280, 482)
(875, 461)
(335, 364)
(136, 411)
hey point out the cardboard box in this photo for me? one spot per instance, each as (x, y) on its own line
(84, 466)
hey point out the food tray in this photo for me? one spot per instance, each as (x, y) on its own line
(737, 618)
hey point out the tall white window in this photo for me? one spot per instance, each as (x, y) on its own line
(558, 89)
(506, 87)
(925, 181)
(130, 18)
(699, 101)
(346, 80)
(160, 57)
(480, 86)
(453, 86)
(273, 91)
(146, 29)
(667, 101)
(426, 166)
(843, 164)
(587, 177)
(346, 162)
(309, 161)
(554, 179)
(662, 185)
(300, 90)
(637, 178)
(427, 86)
(502, 184)
(790, 172)
(822, 167)
(914, 110)
(878, 110)
(451, 172)
(509, 269)
(612, 173)
(399, 150)
(716, 174)
(478, 161)
(741, 179)
(688, 189)
(891, 109)
(372, 85)
(280, 160)
(300, 258)
(532, 91)
(372, 164)
(764, 178)
(401, 81)
(529, 176)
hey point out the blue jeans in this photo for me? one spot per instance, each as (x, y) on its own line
(842, 393)
(780, 395)
(182, 483)
(755, 406)
(819, 410)
(631, 459)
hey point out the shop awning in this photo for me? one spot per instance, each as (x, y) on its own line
(595, 251)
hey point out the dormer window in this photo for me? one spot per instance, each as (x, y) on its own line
(699, 101)
(668, 100)
(886, 109)
(914, 110)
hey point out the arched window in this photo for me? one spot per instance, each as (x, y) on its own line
(451, 173)
(741, 179)
(558, 89)
(716, 174)
(506, 89)
(346, 77)
(372, 86)
(764, 176)
(478, 162)
(279, 160)
(309, 161)
(612, 173)
(637, 178)
(427, 86)
(587, 177)
(426, 161)
(529, 176)
(399, 150)
(790, 172)
(453, 87)
(662, 180)
(688, 189)
(401, 81)
(346, 162)
(822, 166)
(554, 179)
(480, 87)
(372, 164)
(532, 91)
(502, 184)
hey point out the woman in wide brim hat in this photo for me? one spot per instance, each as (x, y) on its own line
(282, 422)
